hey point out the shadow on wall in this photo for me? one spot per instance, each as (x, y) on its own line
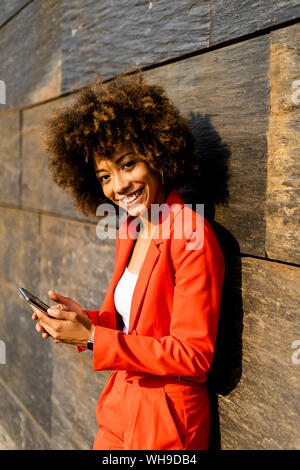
(211, 189)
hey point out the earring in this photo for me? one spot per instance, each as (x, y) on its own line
(162, 177)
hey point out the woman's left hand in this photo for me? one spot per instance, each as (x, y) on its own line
(66, 327)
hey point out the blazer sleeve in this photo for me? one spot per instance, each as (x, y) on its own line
(95, 315)
(188, 348)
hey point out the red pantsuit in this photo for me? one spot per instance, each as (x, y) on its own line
(156, 397)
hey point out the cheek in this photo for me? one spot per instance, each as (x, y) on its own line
(154, 185)
(105, 191)
(139, 174)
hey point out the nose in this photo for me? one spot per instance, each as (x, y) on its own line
(121, 183)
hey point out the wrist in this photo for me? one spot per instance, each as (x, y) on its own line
(90, 342)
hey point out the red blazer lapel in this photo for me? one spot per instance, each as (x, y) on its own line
(152, 255)
(107, 311)
(172, 206)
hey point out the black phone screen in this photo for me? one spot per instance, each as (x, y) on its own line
(32, 299)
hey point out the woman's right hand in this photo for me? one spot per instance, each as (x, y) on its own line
(65, 303)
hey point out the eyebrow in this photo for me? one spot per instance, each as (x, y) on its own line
(117, 161)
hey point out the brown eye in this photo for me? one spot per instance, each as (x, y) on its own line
(124, 167)
(128, 163)
(100, 179)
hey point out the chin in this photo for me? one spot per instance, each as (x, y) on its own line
(136, 212)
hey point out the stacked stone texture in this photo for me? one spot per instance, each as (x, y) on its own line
(234, 68)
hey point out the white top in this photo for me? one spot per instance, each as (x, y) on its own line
(123, 296)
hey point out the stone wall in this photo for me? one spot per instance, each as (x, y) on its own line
(232, 68)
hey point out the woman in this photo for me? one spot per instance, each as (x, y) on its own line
(125, 143)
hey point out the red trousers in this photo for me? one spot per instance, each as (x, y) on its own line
(152, 413)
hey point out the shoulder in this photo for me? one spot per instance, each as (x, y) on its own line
(193, 238)
(190, 229)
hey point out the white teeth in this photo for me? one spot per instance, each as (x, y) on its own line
(134, 196)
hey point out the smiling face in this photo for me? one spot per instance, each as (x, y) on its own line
(129, 182)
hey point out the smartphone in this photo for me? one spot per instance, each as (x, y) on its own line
(34, 300)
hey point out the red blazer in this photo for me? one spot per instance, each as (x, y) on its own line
(175, 305)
